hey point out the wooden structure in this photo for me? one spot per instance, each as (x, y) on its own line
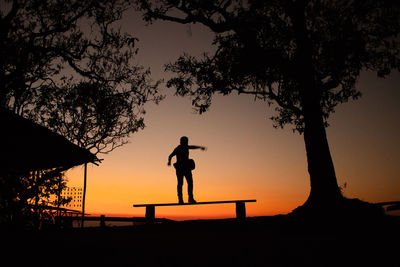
(240, 207)
(102, 219)
(28, 146)
(31, 148)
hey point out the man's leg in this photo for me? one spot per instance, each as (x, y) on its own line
(179, 176)
(189, 179)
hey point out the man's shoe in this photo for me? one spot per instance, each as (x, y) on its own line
(191, 200)
(181, 201)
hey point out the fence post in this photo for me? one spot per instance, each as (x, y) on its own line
(102, 221)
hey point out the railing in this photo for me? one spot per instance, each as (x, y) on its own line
(102, 219)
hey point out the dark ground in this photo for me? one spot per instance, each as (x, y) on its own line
(262, 241)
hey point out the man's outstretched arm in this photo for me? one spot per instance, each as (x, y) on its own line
(198, 147)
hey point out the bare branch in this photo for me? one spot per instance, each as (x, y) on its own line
(271, 95)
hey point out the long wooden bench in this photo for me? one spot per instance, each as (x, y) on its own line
(240, 207)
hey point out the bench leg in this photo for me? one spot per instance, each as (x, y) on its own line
(150, 213)
(240, 210)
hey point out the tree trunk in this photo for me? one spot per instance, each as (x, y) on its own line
(325, 197)
(325, 191)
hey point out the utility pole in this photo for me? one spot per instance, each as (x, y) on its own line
(84, 195)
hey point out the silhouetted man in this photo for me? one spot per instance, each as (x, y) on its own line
(184, 167)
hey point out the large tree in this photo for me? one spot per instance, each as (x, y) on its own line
(302, 56)
(67, 65)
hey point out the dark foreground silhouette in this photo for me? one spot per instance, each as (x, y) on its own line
(264, 241)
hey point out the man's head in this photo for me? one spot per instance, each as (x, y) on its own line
(184, 141)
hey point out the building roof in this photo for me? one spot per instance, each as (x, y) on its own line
(28, 146)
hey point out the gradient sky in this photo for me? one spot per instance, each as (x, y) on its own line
(246, 158)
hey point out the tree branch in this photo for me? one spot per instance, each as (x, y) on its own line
(217, 27)
(331, 84)
(271, 95)
(67, 26)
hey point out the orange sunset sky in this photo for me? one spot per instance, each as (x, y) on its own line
(246, 158)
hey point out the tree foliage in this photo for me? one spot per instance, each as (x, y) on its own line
(25, 198)
(93, 115)
(61, 58)
(262, 48)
